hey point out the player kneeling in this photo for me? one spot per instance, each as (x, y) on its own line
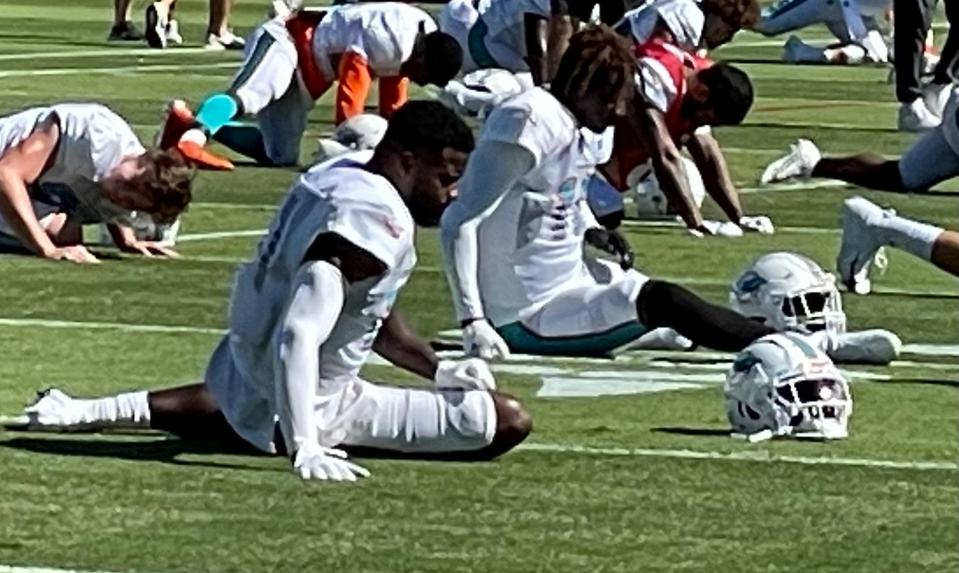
(310, 307)
(781, 386)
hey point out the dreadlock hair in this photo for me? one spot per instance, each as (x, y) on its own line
(427, 127)
(730, 92)
(738, 14)
(167, 178)
(597, 59)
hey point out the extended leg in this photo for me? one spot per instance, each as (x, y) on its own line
(664, 304)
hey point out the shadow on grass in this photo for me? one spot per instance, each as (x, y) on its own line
(698, 432)
(156, 450)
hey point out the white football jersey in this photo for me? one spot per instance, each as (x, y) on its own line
(506, 35)
(383, 32)
(93, 140)
(341, 197)
(683, 18)
(531, 246)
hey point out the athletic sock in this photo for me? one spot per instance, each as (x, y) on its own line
(911, 236)
(130, 409)
(244, 139)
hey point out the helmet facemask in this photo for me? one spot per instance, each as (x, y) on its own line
(818, 408)
(809, 310)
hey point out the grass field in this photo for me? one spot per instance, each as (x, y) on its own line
(638, 477)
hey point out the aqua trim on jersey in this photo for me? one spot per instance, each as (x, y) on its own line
(477, 45)
(597, 345)
(256, 58)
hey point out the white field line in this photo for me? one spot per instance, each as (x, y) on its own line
(19, 569)
(115, 70)
(220, 235)
(741, 456)
(150, 52)
(83, 325)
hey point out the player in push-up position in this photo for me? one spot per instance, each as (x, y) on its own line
(678, 97)
(293, 60)
(68, 165)
(513, 240)
(307, 311)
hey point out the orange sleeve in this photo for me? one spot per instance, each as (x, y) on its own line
(354, 85)
(392, 94)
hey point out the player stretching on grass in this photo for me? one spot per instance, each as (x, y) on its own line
(68, 165)
(293, 61)
(513, 240)
(310, 307)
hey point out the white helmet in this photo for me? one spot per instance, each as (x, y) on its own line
(782, 385)
(789, 292)
(358, 133)
(649, 199)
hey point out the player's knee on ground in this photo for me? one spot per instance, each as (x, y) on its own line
(513, 424)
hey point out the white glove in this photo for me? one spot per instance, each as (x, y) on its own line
(316, 462)
(722, 229)
(481, 339)
(760, 224)
(468, 374)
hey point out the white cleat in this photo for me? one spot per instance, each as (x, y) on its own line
(659, 339)
(54, 411)
(157, 15)
(799, 162)
(876, 346)
(936, 96)
(173, 33)
(915, 116)
(225, 41)
(861, 241)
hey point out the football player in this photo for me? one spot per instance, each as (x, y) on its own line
(689, 24)
(513, 240)
(678, 96)
(295, 59)
(309, 308)
(513, 35)
(853, 22)
(68, 165)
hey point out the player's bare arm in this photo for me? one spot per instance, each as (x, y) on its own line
(537, 34)
(650, 127)
(399, 344)
(708, 157)
(20, 167)
(126, 240)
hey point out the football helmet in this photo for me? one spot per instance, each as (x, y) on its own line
(358, 133)
(649, 199)
(789, 292)
(782, 385)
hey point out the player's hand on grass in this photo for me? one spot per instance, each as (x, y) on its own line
(314, 462)
(72, 253)
(613, 243)
(149, 249)
(468, 374)
(757, 224)
(481, 339)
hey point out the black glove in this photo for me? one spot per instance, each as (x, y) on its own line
(612, 243)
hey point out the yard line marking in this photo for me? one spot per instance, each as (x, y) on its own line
(216, 205)
(220, 235)
(19, 569)
(104, 52)
(152, 328)
(740, 456)
(119, 70)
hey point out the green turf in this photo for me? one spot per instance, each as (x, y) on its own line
(145, 503)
